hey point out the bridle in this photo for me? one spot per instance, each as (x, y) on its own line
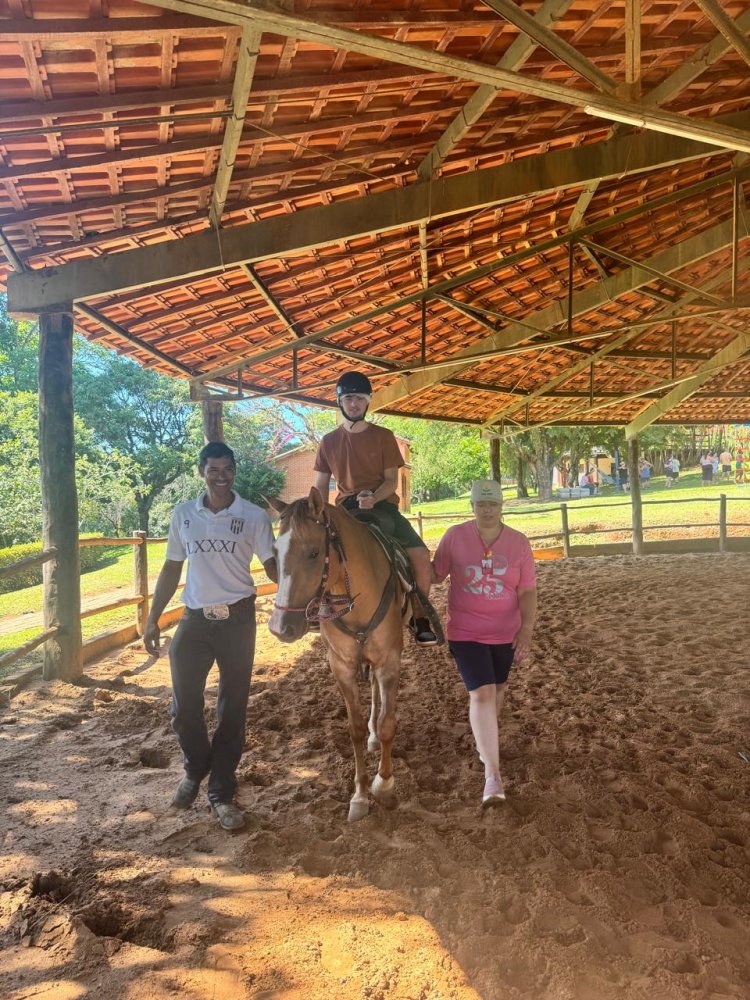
(324, 606)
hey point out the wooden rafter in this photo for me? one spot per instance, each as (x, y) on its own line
(315, 227)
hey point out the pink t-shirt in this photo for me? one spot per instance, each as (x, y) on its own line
(483, 594)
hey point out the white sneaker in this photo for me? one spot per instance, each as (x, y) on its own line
(494, 792)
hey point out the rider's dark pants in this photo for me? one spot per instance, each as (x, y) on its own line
(390, 520)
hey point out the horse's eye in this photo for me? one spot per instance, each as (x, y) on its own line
(313, 554)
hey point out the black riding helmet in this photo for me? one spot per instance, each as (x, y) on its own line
(355, 384)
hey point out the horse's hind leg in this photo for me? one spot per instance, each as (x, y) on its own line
(373, 743)
(359, 804)
(383, 786)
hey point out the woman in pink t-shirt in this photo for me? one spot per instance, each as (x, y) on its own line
(491, 614)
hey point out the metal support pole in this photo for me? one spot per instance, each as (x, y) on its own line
(424, 331)
(722, 522)
(565, 530)
(570, 288)
(635, 495)
(62, 576)
(735, 234)
(674, 350)
(591, 386)
(140, 580)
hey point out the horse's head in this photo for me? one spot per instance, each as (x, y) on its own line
(300, 553)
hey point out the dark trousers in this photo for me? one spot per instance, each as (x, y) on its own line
(197, 644)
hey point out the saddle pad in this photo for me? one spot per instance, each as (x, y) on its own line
(396, 554)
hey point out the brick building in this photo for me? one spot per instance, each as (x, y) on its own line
(298, 466)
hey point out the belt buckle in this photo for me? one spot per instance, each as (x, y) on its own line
(216, 612)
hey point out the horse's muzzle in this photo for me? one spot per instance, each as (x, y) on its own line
(288, 626)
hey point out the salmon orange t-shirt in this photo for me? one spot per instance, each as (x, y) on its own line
(358, 461)
(484, 582)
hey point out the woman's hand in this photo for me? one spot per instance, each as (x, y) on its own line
(522, 644)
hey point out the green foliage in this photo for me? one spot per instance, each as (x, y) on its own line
(141, 415)
(19, 343)
(445, 458)
(251, 437)
(99, 477)
(90, 557)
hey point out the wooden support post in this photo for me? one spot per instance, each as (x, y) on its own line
(565, 530)
(495, 459)
(722, 522)
(140, 580)
(62, 577)
(213, 420)
(635, 495)
(420, 530)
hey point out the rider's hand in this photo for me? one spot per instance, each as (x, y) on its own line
(152, 638)
(366, 500)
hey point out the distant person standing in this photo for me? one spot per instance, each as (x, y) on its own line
(714, 465)
(218, 534)
(675, 469)
(491, 615)
(644, 471)
(707, 468)
(726, 464)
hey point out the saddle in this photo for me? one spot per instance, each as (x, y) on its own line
(399, 560)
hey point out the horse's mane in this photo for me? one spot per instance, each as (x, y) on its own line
(297, 515)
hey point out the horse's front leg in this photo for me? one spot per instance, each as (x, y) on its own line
(359, 804)
(373, 743)
(383, 786)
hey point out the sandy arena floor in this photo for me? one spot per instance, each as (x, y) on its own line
(618, 868)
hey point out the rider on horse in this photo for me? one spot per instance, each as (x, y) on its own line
(364, 459)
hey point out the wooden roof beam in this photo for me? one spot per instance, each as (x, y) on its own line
(247, 59)
(553, 43)
(726, 356)
(597, 295)
(320, 226)
(727, 27)
(518, 53)
(669, 88)
(599, 105)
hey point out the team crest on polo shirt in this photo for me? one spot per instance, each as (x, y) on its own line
(237, 525)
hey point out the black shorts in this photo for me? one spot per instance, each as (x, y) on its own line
(389, 519)
(726, 468)
(481, 663)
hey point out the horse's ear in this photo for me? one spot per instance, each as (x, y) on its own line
(278, 505)
(315, 502)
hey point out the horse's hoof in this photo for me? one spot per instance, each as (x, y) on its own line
(358, 809)
(373, 743)
(384, 791)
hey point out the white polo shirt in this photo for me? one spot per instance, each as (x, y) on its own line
(219, 549)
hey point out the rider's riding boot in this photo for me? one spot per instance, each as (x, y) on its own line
(422, 632)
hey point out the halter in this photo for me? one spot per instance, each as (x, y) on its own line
(323, 605)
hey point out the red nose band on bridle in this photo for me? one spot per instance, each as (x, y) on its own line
(323, 605)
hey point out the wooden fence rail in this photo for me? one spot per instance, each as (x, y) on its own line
(141, 597)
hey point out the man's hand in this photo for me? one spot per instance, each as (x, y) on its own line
(522, 644)
(366, 500)
(152, 638)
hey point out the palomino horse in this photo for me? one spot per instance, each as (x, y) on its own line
(332, 570)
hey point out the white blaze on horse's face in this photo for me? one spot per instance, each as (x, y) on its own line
(299, 552)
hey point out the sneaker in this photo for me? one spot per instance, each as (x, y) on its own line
(186, 793)
(422, 631)
(228, 815)
(494, 792)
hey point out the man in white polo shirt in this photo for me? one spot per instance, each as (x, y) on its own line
(218, 534)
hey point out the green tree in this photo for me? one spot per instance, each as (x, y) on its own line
(141, 415)
(19, 346)
(445, 457)
(101, 479)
